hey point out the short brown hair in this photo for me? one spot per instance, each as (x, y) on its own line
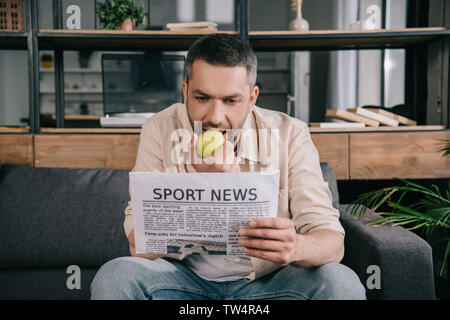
(223, 49)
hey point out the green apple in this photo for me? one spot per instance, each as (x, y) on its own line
(209, 142)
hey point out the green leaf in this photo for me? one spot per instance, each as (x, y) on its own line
(444, 262)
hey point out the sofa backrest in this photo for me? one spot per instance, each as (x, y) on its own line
(330, 177)
(55, 217)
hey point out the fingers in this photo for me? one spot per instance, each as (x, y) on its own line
(263, 244)
(266, 233)
(274, 223)
(272, 239)
(194, 157)
(280, 257)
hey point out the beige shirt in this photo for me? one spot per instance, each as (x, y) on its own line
(269, 140)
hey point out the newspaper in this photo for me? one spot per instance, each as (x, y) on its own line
(201, 213)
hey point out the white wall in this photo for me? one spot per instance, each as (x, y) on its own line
(14, 98)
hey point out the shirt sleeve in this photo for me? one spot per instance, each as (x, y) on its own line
(310, 198)
(148, 159)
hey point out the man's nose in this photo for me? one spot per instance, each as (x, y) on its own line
(216, 113)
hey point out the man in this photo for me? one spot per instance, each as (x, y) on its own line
(295, 255)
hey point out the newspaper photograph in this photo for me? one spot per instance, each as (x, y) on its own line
(201, 213)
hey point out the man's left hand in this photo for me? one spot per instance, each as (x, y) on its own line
(273, 239)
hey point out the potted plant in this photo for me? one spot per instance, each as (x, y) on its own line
(47, 60)
(120, 14)
(415, 207)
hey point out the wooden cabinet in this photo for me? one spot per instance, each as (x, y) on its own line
(17, 149)
(334, 149)
(110, 151)
(353, 156)
(398, 155)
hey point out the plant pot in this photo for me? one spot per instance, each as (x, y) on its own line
(127, 25)
(47, 64)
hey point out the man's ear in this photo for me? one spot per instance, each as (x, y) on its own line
(253, 97)
(184, 85)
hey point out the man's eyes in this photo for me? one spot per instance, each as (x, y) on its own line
(231, 101)
(201, 98)
(226, 100)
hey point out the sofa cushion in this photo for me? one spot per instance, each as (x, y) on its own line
(55, 217)
(330, 178)
(44, 284)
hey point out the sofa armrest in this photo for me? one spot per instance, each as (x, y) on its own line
(404, 259)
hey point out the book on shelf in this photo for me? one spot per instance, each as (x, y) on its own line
(14, 129)
(192, 26)
(193, 30)
(350, 116)
(332, 125)
(402, 120)
(374, 116)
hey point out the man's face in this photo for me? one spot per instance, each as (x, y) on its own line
(218, 96)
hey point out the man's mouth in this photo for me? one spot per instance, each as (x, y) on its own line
(223, 131)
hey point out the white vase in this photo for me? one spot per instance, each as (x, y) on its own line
(299, 23)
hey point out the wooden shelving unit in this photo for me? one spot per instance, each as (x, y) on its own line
(345, 39)
(91, 130)
(260, 40)
(14, 129)
(13, 40)
(380, 129)
(117, 40)
(358, 153)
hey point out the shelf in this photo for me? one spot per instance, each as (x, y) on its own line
(73, 91)
(118, 40)
(14, 129)
(379, 129)
(71, 70)
(260, 40)
(13, 40)
(312, 130)
(90, 130)
(344, 39)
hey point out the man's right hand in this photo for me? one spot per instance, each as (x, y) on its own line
(133, 249)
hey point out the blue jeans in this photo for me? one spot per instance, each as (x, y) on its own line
(138, 278)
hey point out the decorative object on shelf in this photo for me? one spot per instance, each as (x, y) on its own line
(350, 116)
(83, 58)
(401, 120)
(383, 120)
(11, 16)
(372, 21)
(84, 108)
(122, 15)
(298, 23)
(192, 26)
(337, 125)
(47, 60)
(371, 116)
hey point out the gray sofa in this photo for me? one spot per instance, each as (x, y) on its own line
(52, 218)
